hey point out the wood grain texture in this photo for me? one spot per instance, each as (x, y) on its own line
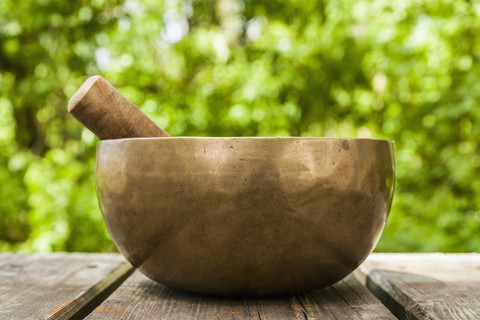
(140, 298)
(108, 114)
(57, 285)
(425, 286)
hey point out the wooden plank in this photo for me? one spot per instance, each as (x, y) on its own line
(425, 286)
(6, 257)
(358, 303)
(140, 298)
(57, 285)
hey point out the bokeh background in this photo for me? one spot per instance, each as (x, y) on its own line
(404, 70)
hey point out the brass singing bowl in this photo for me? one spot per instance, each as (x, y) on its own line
(245, 216)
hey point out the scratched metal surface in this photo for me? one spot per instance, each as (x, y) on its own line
(245, 216)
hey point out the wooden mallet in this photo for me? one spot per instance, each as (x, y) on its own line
(108, 114)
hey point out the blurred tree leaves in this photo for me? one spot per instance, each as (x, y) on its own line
(401, 70)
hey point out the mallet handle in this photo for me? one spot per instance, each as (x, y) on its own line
(108, 114)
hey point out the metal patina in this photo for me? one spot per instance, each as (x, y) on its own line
(245, 216)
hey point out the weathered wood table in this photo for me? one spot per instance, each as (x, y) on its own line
(104, 286)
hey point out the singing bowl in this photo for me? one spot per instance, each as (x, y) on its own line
(245, 216)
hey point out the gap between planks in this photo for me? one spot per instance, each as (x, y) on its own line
(425, 286)
(95, 295)
(57, 285)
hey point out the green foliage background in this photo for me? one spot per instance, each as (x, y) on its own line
(404, 70)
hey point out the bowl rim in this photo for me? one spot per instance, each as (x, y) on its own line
(242, 138)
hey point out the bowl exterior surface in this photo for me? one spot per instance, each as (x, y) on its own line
(245, 216)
